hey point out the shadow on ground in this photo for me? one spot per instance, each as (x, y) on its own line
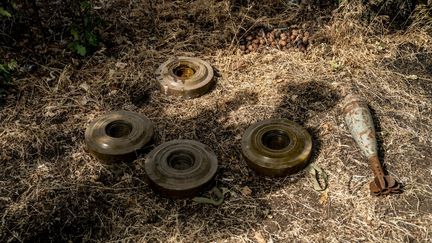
(123, 203)
(241, 210)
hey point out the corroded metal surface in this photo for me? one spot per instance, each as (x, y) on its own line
(359, 121)
(180, 168)
(188, 77)
(276, 147)
(117, 136)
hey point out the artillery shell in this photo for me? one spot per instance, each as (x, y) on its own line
(360, 124)
(359, 121)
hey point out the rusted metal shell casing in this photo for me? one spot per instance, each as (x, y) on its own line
(187, 77)
(117, 136)
(276, 147)
(180, 168)
(359, 121)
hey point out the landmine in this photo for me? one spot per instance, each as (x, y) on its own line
(187, 77)
(276, 147)
(180, 168)
(117, 136)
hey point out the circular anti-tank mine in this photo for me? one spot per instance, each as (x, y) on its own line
(180, 168)
(276, 147)
(117, 136)
(187, 77)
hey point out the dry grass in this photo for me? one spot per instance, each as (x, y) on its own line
(51, 189)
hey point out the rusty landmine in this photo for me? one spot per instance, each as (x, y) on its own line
(117, 136)
(276, 147)
(180, 168)
(187, 77)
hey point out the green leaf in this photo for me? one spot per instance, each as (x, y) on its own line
(74, 33)
(3, 69)
(91, 39)
(85, 5)
(5, 13)
(12, 65)
(4, 72)
(80, 49)
(335, 65)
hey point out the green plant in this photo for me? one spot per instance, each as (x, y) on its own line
(5, 8)
(336, 65)
(6, 69)
(84, 29)
(5, 13)
(5, 75)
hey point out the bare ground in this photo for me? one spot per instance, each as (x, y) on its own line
(51, 189)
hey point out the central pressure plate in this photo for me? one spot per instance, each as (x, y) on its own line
(276, 147)
(188, 77)
(180, 168)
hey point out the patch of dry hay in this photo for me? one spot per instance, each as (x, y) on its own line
(51, 189)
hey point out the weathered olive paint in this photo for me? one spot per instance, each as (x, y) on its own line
(112, 148)
(197, 83)
(289, 156)
(198, 168)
